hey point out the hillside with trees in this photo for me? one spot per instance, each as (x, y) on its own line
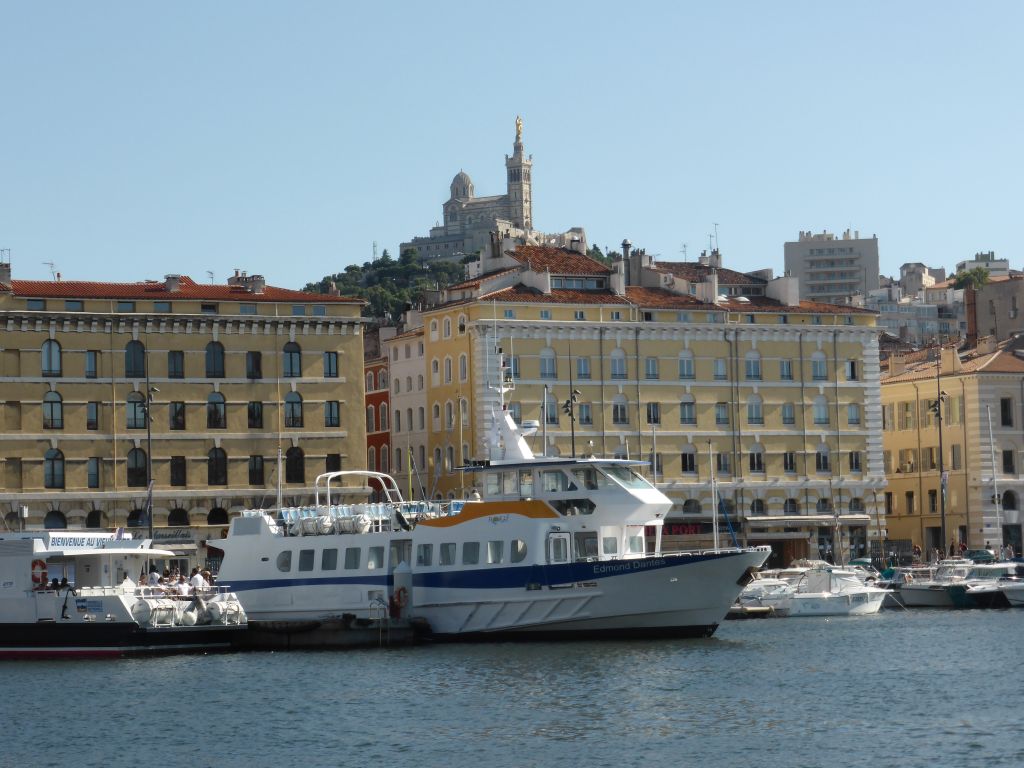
(388, 285)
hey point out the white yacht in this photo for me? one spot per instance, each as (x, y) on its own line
(834, 591)
(69, 593)
(556, 547)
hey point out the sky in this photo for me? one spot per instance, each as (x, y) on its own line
(139, 139)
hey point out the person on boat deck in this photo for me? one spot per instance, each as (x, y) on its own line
(197, 581)
(154, 576)
(54, 585)
(64, 583)
(182, 585)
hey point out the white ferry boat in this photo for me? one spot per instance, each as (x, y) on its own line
(68, 593)
(556, 547)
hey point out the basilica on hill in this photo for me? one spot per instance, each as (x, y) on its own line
(469, 220)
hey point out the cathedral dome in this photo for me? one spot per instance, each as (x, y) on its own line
(462, 186)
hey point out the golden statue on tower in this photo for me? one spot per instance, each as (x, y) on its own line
(519, 129)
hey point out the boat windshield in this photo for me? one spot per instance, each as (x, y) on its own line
(626, 477)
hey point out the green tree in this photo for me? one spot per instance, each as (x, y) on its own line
(971, 278)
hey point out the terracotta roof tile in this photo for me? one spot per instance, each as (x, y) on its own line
(521, 293)
(153, 289)
(558, 261)
(696, 272)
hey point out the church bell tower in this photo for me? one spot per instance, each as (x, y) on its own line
(520, 197)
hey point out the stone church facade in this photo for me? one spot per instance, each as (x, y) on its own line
(469, 220)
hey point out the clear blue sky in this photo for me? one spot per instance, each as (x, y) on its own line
(143, 138)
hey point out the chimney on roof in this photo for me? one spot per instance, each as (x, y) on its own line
(257, 283)
(626, 245)
(172, 283)
(5, 271)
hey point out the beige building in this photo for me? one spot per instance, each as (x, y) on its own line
(831, 268)
(237, 375)
(776, 398)
(981, 447)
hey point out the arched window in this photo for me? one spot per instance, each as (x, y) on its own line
(135, 416)
(447, 327)
(216, 411)
(178, 518)
(463, 368)
(53, 411)
(396, 423)
(435, 371)
(464, 411)
(215, 360)
(371, 419)
(134, 360)
(292, 365)
(396, 386)
(447, 370)
(217, 467)
(449, 415)
(691, 507)
(51, 358)
(53, 469)
(293, 409)
(398, 460)
(824, 506)
(136, 518)
(371, 459)
(757, 507)
(217, 516)
(433, 330)
(409, 421)
(421, 413)
(449, 463)
(369, 381)
(1009, 500)
(295, 466)
(436, 413)
(384, 453)
(437, 459)
(94, 519)
(791, 507)
(382, 379)
(462, 324)
(419, 382)
(408, 383)
(382, 418)
(137, 468)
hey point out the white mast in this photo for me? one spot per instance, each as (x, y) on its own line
(714, 498)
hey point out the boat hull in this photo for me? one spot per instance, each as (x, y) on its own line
(843, 604)
(1014, 594)
(110, 639)
(926, 596)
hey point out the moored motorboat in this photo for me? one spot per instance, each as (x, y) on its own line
(936, 592)
(981, 588)
(72, 594)
(834, 591)
(554, 547)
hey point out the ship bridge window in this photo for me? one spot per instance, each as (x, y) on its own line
(525, 483)
(352, 558)
(471, 553)
(284, 561)
(553, 481)
(329, 559)
(609, 545)
(626, 477)
(306, 559)
(570, 507)
(424, 554)
(589, 478)
(492, 484)
(495, 552)
(517, 551)
(586, 544)
(374, 558)
(510, 483)
(446, 554)
(635, 540)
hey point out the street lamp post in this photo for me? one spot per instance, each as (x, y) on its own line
(936, 408)
(569, 408)
(149, 451)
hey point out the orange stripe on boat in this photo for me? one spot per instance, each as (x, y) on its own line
(476, 510)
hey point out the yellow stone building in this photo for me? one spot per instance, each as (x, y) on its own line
(982, 395)
(700, 369)
(235, 373)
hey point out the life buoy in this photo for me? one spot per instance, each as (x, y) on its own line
(402, 597)
(39, 572)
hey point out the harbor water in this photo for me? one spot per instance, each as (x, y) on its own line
(903, 688)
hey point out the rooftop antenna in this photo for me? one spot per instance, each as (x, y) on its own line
(375, 250)
(209, 274)
(53, 269)
(683, 251)
(716, 234)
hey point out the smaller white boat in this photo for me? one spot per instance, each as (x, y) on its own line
(1014, 593)
(769, 592)
(936, 592)
(834, 591)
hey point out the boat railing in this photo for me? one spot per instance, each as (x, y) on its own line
(362, 517)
